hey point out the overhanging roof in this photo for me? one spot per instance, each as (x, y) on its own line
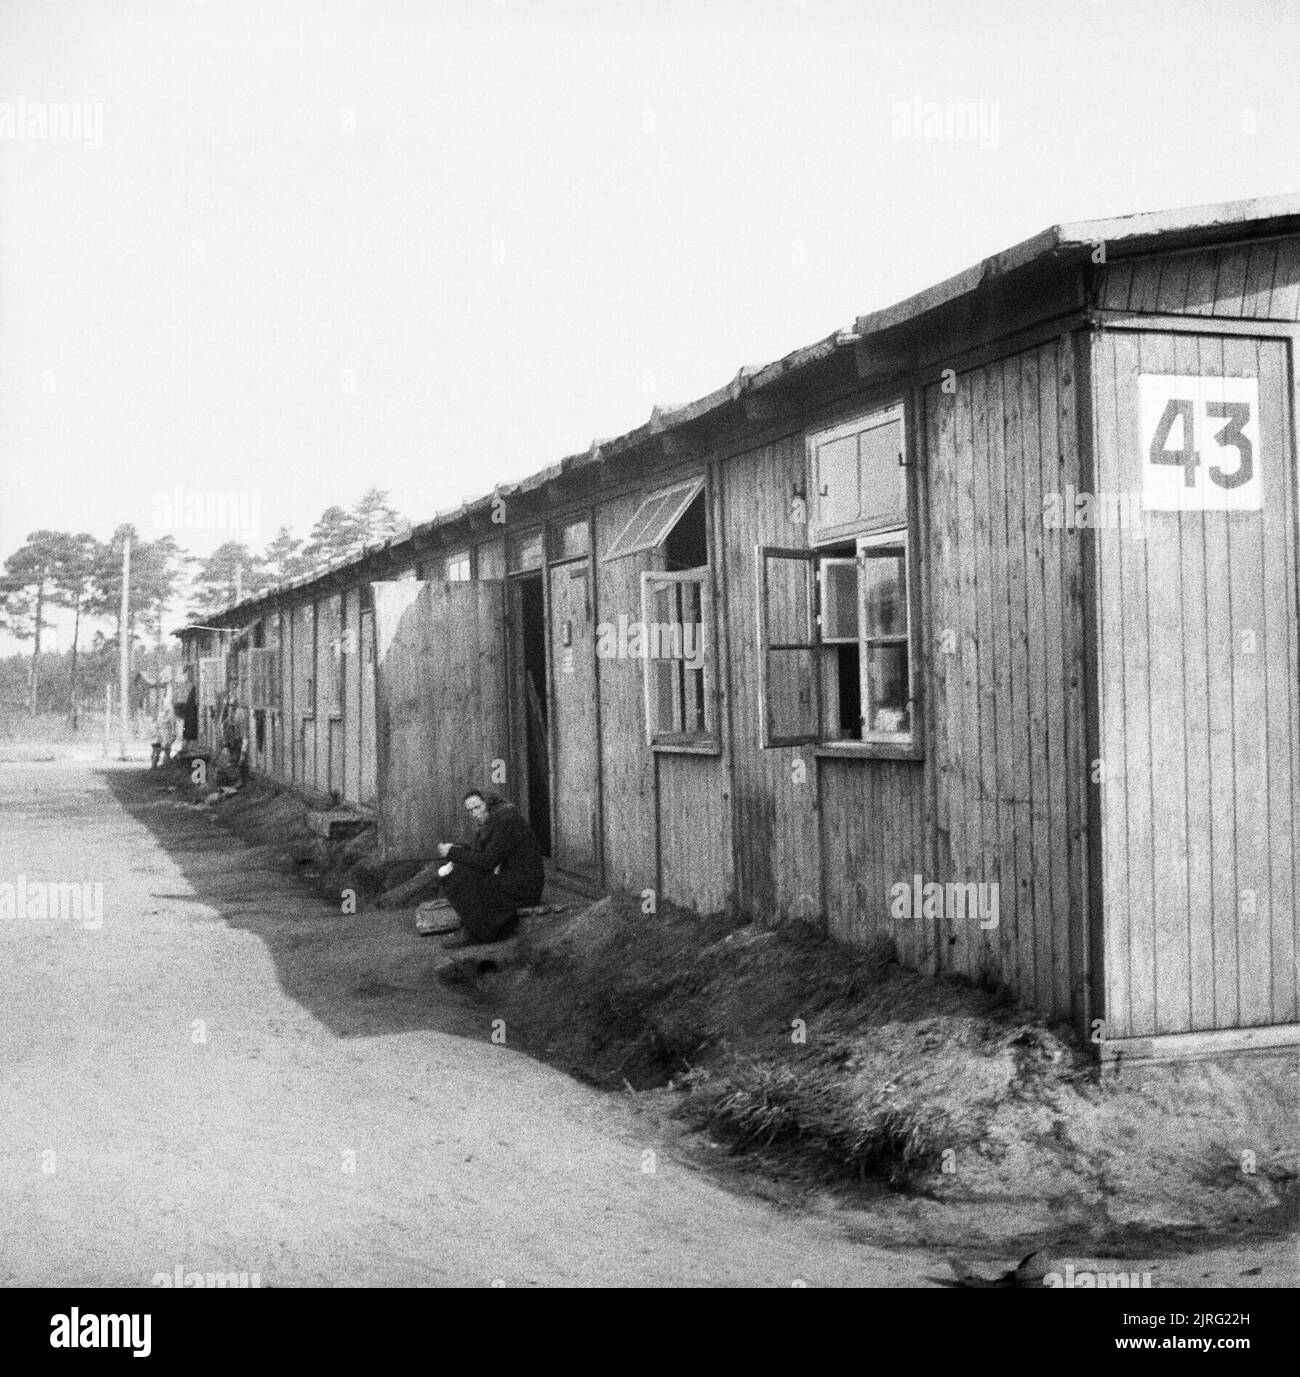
(1124, 236)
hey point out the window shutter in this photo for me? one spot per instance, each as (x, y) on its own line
(788, 685)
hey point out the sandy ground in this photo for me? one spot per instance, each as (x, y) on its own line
(230, 1075)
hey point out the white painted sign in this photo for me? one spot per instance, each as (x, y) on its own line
(1200, 443)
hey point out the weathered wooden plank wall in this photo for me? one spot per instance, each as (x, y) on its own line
(574, 729)
(350, 782)
(872, 839)
(406, 727)
(440, 707)
(1008, 747)
(463, 693)
(774, 792)
(695, 842)
(629, 824)
(1200, 711)
(304, 667)
(367, 790)
(1239, 281)
(328, 617)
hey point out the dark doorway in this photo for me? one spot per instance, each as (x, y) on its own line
(530, 705)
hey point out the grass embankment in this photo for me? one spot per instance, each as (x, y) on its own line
(835, 1067)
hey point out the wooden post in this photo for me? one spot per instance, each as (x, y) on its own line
(124, 647)
(108, 716)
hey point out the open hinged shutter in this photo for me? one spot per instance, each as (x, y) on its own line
(789, 690)
(652, 522)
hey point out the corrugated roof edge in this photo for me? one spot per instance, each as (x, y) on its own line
(1128, 232)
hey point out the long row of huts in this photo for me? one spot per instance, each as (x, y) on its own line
(972, 629)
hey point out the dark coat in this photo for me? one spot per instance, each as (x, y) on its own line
(506, 840)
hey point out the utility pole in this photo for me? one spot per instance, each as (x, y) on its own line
(124, 649)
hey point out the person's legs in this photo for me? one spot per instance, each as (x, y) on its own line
(485, 914)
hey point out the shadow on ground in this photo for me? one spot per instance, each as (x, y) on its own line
(361, 975)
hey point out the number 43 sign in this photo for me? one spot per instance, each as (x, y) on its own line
(1200, 443)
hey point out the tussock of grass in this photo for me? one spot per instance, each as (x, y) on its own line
(811, 1111)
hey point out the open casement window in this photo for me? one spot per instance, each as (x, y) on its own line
(676, 649)
(837, 652)
(887, 691)
(653, 521)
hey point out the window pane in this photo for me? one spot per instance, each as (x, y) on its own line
(885, 594)
(570, 540)
(839, 600)
(837, 482)
(492, 560)
(673, 644)
(887, 709)
(525, 552)
(455, 567)
(883, 491)
(663, 695)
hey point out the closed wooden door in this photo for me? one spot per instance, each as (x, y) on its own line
(1199, 681)
(574, 726)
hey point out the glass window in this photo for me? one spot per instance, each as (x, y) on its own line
(456, 567)
(675, 645)
(524, 552)
(571, 540)
(842, 671)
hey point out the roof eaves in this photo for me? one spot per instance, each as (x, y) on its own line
(1187, 225)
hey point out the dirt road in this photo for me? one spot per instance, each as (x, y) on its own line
(226, 1075)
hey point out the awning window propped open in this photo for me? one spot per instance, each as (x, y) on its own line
(654, 519)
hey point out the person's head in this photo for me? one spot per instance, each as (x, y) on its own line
(477, 805)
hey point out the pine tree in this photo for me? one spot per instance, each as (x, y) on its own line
(29, 585)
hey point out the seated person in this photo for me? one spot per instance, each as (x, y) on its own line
(500, 872)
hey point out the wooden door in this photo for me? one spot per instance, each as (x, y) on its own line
(439, 707)
(574, 728)
(1199, 682)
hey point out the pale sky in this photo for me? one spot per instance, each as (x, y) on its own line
(436, 246)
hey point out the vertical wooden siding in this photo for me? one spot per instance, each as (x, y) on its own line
(1243, 281)
(1007, 752)
(872, 838)
(574, 730)
(1200, 717)
(627, 763)
(367, 789)
(777, 842)
(350, 783)
(695, 851)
